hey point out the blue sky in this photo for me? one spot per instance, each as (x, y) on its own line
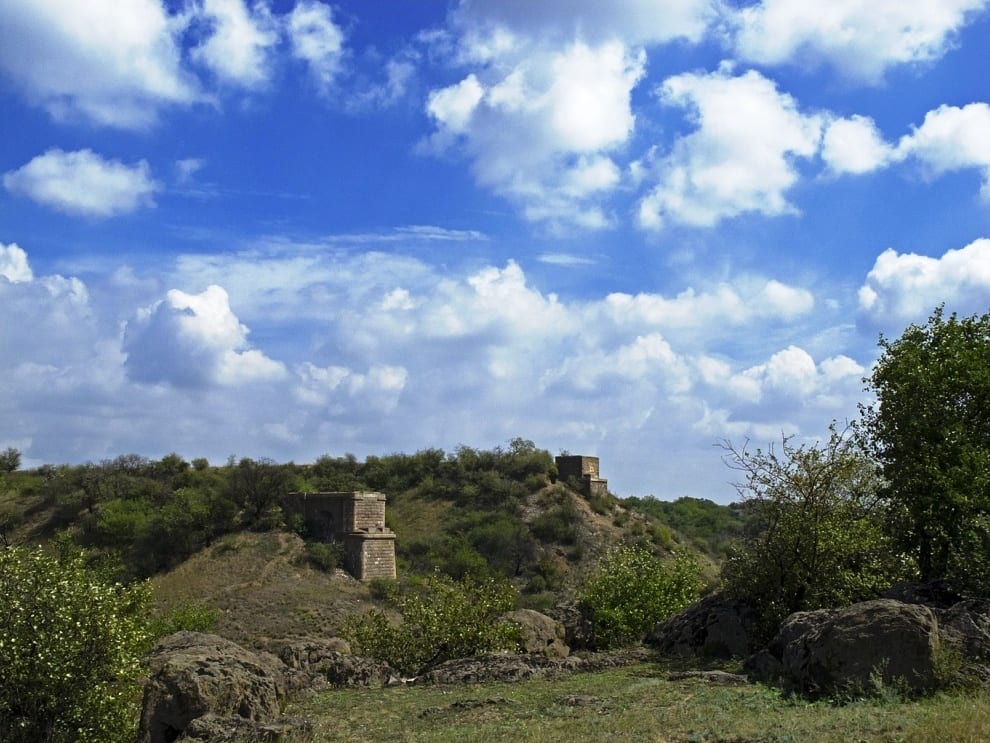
(631, 229)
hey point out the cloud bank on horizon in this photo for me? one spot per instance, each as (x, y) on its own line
(633, 229)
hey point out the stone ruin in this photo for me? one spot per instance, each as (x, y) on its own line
(583, 471)
(357, 521)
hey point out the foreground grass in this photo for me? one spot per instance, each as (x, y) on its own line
(633, 703)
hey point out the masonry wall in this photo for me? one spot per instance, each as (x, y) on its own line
(371, 555)
(576, 466)
(357, 520)
(585, 471)
(368, 511)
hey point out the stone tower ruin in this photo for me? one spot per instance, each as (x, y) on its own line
(582, 471)
(357, 521)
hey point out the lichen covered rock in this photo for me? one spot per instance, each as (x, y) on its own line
(195, 674)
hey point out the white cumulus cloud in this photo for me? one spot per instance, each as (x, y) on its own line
(740, 158)
(453, 106)
(316, 40)
(114, 63)
(239, 43)
(14, 264)
(860, 38)
(545, 108)
(337, 388)
(854, 145)
(905, 287)
(193, 340)
(636, 21)
(720, 306)
(83, 183)
(952, 138)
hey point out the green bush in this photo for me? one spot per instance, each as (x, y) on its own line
(191, 616)
(70, 649)
(447, 619)
(557, 524)
(384, 589)
(326, 557)
(815, 534)
(633, 590)
(456, 556)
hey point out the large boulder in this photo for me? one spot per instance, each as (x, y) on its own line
(715, 627)
(859, 648)
(195, 674)
(579, 632)
(966, 627)
(539, 633)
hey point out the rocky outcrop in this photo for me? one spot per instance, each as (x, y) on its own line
(195, 674)
(539, 633)
(966, 627)
(858, 648)
(302, 653)
(935, 594)
(330, 661)
(715, 627)
(579, 633)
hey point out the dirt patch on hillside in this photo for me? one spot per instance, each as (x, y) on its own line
(264, 588)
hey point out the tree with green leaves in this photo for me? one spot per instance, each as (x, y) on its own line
(257, 486)
(10, 460)
(70, 651)
(930, 431)
(814, 535)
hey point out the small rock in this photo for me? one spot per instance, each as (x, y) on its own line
(580, 700)
(719, 678)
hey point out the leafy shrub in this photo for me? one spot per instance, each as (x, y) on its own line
(447, 619)
(710, 526)
(548, 576)
(815, 530)
(70, 647)
(633, 590)
(10, 460)
(384, 589)
(457, 557)
(504, 541)
(326, 557)
(191, 616)
(558, 524)
(601, 503)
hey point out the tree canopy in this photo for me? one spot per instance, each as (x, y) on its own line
(930, 431)
(814, 534)
(70, 649)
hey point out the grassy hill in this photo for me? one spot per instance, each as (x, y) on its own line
(215, 535)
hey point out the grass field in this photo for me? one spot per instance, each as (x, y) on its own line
(634, 703)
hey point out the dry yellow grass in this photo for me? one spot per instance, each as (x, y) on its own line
(264, 589)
